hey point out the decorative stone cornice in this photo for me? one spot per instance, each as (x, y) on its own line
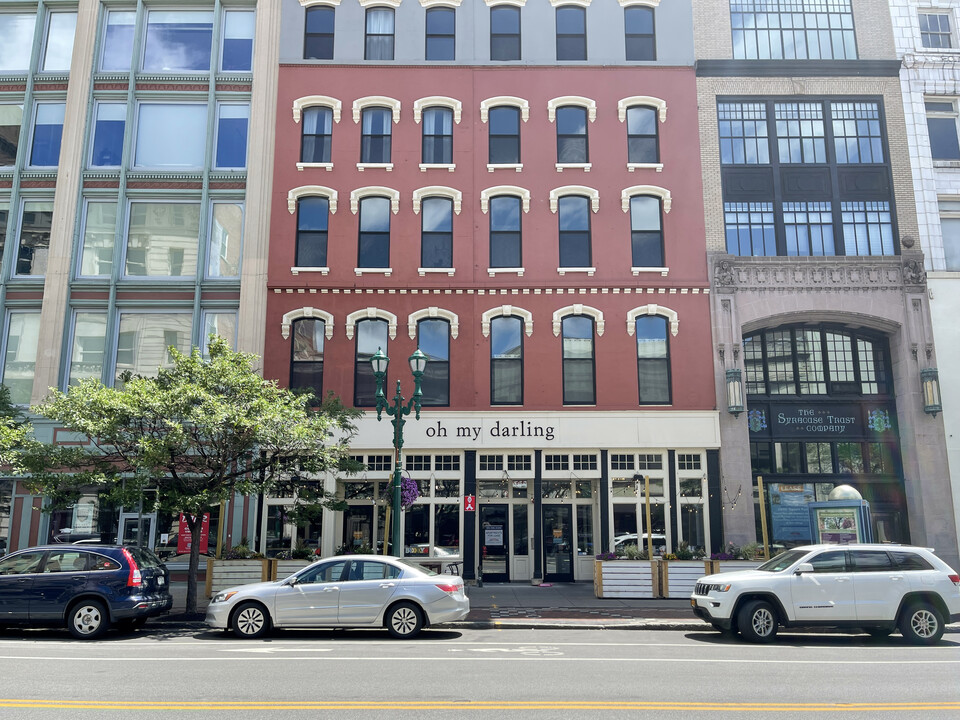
(832, 274)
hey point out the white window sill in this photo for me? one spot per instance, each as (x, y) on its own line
(645, 166)
(325, 166)
(946, 163)
(298, 270)
(373, 271)
(662, 270)
(492, 272)
(518, 167)
(439, 271)
(437, 166)
(374, 166)
(588, 270)
(573, 166)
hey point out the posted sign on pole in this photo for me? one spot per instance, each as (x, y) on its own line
(469, 503)
(184, 538)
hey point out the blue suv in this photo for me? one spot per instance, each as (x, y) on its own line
(84, 588)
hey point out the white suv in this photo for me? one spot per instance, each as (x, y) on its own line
(874, 588)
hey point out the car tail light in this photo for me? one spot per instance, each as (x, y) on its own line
(450, 587)
(955, 579)
(134, 579)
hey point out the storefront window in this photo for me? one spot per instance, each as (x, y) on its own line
(584, 489)
(360, 490)
(416, 521)
(850, 458)
(585, 530)
(446, 524)
(520, 541)
(691, 487)
(279, 532)
(446, 488)
(691, 526)
(552, 489)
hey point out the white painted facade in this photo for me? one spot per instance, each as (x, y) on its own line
(934, 74)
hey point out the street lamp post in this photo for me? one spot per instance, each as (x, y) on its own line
(418, 361)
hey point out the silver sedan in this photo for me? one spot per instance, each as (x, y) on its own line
(344, 591)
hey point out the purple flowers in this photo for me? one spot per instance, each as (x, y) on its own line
(409, 491)
(607, 556)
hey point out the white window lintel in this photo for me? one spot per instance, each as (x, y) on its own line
(306, 312)
(429, 313)
(301, 103)
(506, 311)
(652, 309)
(577, 309)
(311, 190)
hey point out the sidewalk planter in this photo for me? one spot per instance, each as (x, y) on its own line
(285, 568)
(722, 566)
(625, 579)
(222, 574)
(680, 576)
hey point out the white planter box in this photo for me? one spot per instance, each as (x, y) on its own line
(681, 576)
(625, 579)
(286, 568)
(223, 574)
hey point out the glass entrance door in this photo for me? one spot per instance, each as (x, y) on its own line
(557, 543)
(358, 529)
(494, 543)
(129, 524)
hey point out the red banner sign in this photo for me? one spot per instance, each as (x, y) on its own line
(184, 538)
(469, 503)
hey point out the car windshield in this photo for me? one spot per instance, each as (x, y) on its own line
(417, 566)
(144, 557)
(782, 561)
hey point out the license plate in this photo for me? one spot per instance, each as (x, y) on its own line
(161, 581)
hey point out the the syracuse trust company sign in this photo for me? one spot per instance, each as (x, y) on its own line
(831, 421)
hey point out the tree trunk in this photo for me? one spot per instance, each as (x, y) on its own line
(194, 523)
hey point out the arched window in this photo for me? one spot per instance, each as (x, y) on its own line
(306, 356)
(375, 135)
(504, 32)
(436, 232)
(646, 232)
(317, 135)
(574, 213)
(571, 33)
(318, 33)
(642, 141)
(437, 136)
(506, 360)
(433, 339)
(378, 43)
(441, 34)
(372, 335)
(373, 249)
(579, 376)
(639, 30)
(505, 235)
(504, 139)
(653, 360)
(312, 219)
(572, 146)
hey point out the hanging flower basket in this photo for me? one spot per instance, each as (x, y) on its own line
(409, 492)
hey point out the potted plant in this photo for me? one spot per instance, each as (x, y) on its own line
(627, 575)
(238, 566)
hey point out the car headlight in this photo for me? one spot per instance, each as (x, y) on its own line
(223, 597)
(717, 587)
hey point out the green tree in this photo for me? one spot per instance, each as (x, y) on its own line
(198, 432)
(14, 429)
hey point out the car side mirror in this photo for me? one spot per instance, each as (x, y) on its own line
(803, 568)
(291, 581)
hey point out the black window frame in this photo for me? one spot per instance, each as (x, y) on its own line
(637, 237)
(503, 364)
(514, 39)
(309, 368)
(865, 188)
(319, 11)
(592, 361)
(362, 369)
(307, 237)
(367, 139)
(502, 138)
(436, 12)
(566, 238)
(436, 374)
(436, 236)
(498, 235)
(367, 238)
(643, 136)
(369, 36)
(567, 142)
(634, 10)
(323, 140)
(664, 360)
(441, 142)
(567, 48)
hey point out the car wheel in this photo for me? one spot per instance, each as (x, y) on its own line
(921, 624)
(250, 621)
(88, 620)
(757, 621)
(404, 620)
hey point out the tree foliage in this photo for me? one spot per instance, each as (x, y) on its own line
(200, 431)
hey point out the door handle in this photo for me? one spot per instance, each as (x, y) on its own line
(78, 577)
(330, 589)
(843, 579)
(386, 585)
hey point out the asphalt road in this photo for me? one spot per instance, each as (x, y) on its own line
(181, 673)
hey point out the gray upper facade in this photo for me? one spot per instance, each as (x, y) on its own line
(610, 30)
